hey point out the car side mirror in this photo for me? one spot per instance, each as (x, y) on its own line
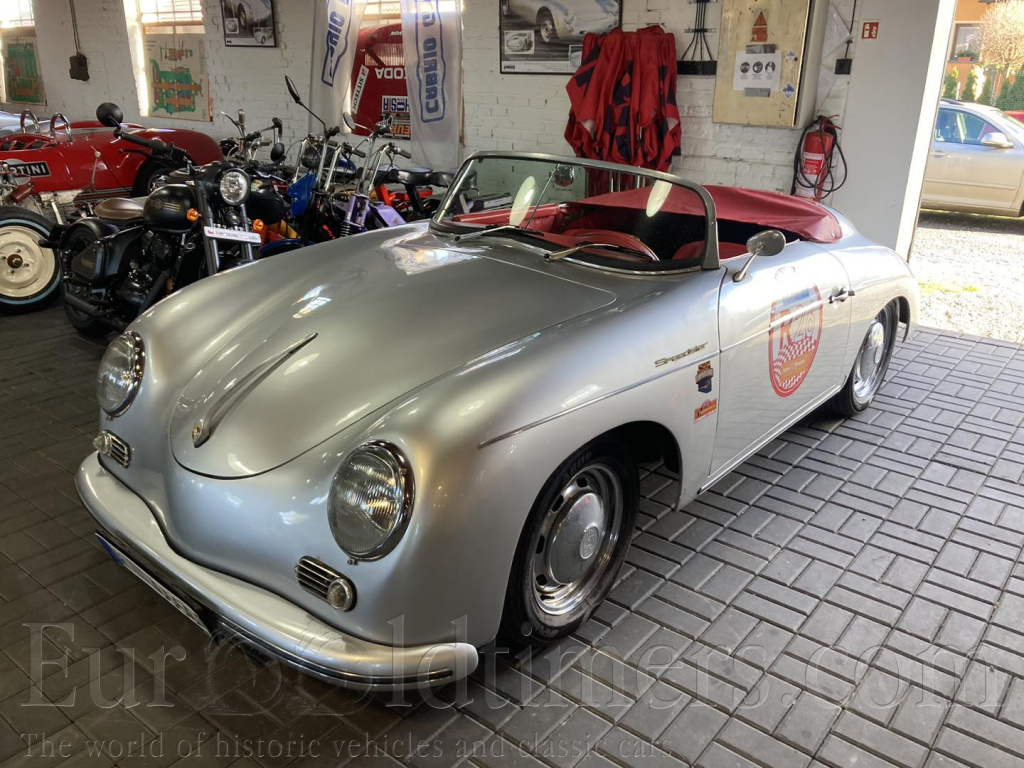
(768, 243)
(109, 114)
(996, 140)
(292, 90)
(347, 118)
(277, 152)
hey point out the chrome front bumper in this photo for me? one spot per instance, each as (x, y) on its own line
(237, 609)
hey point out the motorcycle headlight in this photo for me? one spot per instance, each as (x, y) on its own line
(234, 187)
(371, 500)
(120, 373)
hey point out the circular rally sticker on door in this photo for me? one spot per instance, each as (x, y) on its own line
(793, 339)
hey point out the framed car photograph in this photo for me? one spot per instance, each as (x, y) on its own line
(546, 36)
(248, 23)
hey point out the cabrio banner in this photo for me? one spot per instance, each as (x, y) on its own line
(547, 37)
(432, 39)
(335, 39)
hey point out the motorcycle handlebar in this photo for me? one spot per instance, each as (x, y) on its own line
(403, 152)
(332, 132)
(154, 145)
(356, 152)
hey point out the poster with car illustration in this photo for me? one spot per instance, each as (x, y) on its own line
(546, 36)
(248, 23)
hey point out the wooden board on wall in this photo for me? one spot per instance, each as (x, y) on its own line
(779, 23)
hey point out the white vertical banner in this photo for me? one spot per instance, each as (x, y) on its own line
(432, 39)
(335, 40)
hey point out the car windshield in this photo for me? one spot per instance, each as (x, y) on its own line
(621, 217)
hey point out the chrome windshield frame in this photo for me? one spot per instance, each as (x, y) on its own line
(709, 259)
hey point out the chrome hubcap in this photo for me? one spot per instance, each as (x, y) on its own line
(547, 30)
(25, 267)
(867, 372)
(578, 539)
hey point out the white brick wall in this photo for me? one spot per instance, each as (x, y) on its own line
(252, 78)
(529, 112)
(521, 112)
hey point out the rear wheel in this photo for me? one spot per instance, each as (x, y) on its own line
(546, 23)
(870, 365)
(29, 273)
(147, 175)
(573, 544)
(87, 325)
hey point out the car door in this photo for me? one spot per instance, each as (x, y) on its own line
(783, 332)
(964, 173)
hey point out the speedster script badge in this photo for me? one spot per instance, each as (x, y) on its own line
(793, 342)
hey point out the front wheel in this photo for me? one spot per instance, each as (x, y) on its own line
(573, 544)
(29, 273)
(870, 365)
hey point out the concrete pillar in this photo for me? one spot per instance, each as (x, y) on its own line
(890, 115)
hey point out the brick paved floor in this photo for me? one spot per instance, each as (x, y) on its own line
(849, 597)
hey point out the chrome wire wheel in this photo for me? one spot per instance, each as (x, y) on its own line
(578, 538)
(26, 268)
(548, 33)
(870, 365)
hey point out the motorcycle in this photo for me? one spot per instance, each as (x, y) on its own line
(320, 212)
(57, 177)
(199, 221)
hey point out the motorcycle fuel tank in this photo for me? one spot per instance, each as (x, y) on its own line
(166, 209)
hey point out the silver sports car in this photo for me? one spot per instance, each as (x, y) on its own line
(371, 457)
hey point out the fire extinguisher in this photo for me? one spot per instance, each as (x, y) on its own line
(814, 165)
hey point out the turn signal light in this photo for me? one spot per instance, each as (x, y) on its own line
(258, 225)
(193, 214)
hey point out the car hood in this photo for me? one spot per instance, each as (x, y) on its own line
(354, 333)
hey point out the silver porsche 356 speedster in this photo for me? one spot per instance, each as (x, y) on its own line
(371, 457)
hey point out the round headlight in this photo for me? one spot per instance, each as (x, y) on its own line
(370, 501)
(120, 373)
(234, 187)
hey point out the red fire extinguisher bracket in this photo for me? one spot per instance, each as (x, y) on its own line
(814, 164)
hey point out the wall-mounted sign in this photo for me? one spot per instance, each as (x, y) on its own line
(757, 70)
(24, 81)
(179, 82)
(759, 32)
(248, 23)
(869, 31)
(538, 39)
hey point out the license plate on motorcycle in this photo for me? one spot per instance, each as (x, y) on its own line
(223, 233)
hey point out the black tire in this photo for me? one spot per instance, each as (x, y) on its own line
(29, 274)
(74, 241)
(546, 26)
(533, 614)
(861, 385)
(146, 174)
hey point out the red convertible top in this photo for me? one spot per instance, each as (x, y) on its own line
(806, 219)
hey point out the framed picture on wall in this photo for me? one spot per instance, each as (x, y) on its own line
(248, 23)
(547, 38)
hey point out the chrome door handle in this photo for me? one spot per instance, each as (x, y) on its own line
(841, 295)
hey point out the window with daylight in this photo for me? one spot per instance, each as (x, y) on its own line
(966, 43)
(22, 78)
(168, 45)
(16, 14)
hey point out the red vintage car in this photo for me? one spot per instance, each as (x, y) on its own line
(47, 170)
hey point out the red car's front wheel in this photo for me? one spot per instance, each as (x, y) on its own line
(29, 273)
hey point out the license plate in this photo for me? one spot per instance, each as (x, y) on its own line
(124, 561)
(237, 235)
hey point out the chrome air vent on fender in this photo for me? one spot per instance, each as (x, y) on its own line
(110, 445)
(326, 583)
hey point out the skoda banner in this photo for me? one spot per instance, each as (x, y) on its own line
(432, 38)
(335, 38)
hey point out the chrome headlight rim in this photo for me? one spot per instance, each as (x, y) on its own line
(245, 178)
(135, 373)
(392, 453)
